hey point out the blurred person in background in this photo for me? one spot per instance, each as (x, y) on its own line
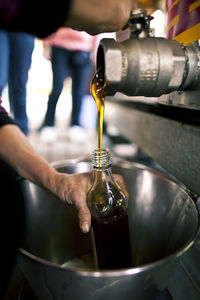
(72, 53)
(16, 50)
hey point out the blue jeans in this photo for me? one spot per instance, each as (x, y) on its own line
(15, 59)
(77, 65)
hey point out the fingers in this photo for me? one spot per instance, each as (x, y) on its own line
(72, 188)
(78, 197)
(120, 181)
(84, 219)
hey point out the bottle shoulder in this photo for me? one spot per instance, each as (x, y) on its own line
(107, 204)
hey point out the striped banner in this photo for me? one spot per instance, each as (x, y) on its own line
(183, 20)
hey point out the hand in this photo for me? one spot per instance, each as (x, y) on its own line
(73, 189)
(97, 16)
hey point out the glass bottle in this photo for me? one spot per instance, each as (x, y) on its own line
(108, 207)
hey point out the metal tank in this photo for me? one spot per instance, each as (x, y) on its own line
(56, 257)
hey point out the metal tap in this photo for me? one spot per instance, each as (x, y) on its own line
(144, 65)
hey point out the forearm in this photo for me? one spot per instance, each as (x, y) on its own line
(96, 16)
(17, 151)
(43, 17)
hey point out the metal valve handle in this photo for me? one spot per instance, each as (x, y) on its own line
(139, 22)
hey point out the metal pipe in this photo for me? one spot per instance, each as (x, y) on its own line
(148, 66)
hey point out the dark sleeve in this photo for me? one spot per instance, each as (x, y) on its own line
(38, 17)
(12, 224)
(5, 119)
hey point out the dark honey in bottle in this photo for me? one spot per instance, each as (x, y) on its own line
(108, 207)
(112, 243)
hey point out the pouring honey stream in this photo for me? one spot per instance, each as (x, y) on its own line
(98, 93)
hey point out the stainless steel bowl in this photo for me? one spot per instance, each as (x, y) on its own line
(163, 222)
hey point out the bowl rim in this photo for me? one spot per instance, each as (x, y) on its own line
(132, 270)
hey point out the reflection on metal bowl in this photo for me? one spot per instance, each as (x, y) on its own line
(163, 222)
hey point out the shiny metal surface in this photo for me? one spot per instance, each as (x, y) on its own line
(173, 143)
(148, 66)
(184, 99)
(163, 225)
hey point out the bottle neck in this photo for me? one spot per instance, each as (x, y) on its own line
(101, 159)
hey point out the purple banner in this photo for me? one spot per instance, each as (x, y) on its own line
(181, 16)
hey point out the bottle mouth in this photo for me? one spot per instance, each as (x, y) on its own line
(101, 158)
